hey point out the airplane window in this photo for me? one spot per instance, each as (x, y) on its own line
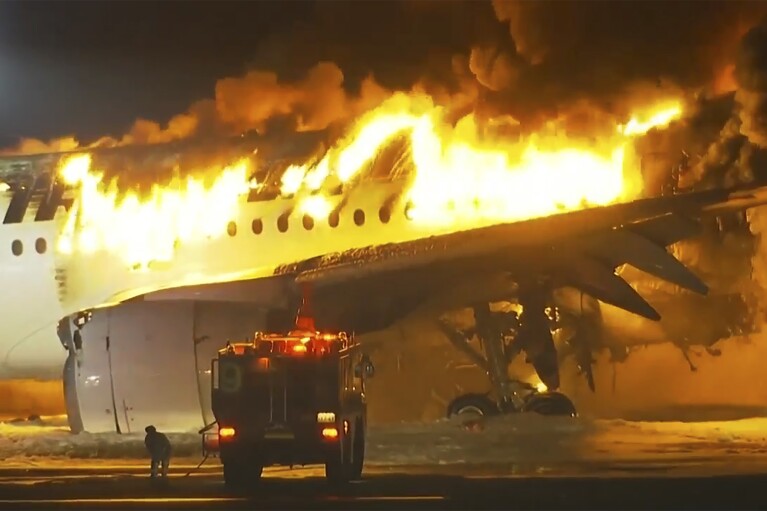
(333, 219)
(41, 245)
(308, 222)
(359, 217)
(282, 222)
(257, 226)
(231, 228)
(384, 214)
(17, 247)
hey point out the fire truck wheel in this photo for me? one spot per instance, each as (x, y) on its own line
(338, 467)
(358, 456)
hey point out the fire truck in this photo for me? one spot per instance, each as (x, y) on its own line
(289, 399)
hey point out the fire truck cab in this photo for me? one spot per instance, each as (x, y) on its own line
(295, 399)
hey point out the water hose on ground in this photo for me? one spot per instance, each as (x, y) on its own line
(195, 469)
(207, 454)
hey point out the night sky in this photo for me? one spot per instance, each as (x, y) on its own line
(91, 68)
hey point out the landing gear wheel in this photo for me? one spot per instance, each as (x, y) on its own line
(472, 404)
(550, 403)
(241, 476)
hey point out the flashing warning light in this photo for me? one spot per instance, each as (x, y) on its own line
(330, 433)
(226, 433)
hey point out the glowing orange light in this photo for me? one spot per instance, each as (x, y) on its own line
(226, 433)
(299, 348)
(330, 433)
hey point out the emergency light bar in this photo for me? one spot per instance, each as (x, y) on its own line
(297, 344)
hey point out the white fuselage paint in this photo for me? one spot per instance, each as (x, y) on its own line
(32, 301)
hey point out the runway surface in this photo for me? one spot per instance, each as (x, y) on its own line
(448, 487)
(514, 463)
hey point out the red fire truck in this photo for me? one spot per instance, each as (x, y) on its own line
(290, 399)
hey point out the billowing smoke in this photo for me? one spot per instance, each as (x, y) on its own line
(751, 96)
(245, 103)
(562, 51)
(723, 142)
(533, 61)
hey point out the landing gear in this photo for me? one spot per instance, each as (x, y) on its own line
(472, 404)
(542, 403)
(503, 336)
(550, 403)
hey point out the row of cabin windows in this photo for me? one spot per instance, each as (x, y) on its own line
(384, 214)
(257, 226)
(17, 246)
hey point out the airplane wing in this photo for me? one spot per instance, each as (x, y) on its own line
(368, 289)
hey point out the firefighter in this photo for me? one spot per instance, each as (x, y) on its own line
(159, 449)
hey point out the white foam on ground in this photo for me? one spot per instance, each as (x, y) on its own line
(518, 439)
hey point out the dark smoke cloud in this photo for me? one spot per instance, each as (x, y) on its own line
(722, 142)
(570, 50)
(751, 75)
(751, 98)
(580, 62)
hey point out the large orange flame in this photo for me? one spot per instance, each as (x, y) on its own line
(145, 230)
(461, 177)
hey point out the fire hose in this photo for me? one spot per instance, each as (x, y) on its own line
(207, 454)
(195, 469)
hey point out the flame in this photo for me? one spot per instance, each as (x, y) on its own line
(146, 230)
(461, 176)
(657, 118)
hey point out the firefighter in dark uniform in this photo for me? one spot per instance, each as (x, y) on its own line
(159, 449)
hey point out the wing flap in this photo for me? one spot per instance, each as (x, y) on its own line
(601, 282)
(624, 246)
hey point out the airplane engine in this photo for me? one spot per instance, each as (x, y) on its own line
(148, 362)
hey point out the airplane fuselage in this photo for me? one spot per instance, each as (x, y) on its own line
(43, 285)
(42, 288)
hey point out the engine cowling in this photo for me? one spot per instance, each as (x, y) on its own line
(148, 362)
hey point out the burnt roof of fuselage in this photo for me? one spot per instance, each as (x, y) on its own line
(153, 159)
(143, 165)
